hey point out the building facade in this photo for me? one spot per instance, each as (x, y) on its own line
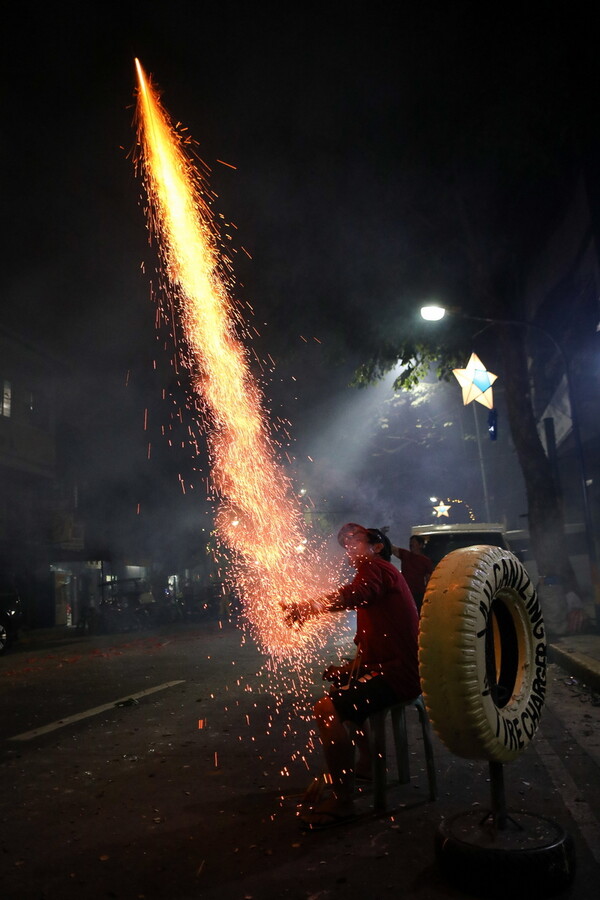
(38, 504)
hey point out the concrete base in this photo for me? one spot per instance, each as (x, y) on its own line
(531, 857)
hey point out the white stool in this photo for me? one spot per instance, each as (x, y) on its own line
(377, 723)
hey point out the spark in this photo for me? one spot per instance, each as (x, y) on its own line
(259, 519)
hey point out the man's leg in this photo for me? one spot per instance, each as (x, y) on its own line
(338, 749)
(363, 766)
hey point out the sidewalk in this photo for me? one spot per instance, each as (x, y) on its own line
(577, 654)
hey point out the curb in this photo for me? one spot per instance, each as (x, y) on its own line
(581, 666)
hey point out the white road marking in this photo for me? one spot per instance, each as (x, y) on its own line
(87, 713)
(581, 812)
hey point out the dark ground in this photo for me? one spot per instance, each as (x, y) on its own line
(139, 803)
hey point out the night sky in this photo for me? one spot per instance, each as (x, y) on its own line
(319, 109)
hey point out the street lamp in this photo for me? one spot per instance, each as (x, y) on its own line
(435, 312)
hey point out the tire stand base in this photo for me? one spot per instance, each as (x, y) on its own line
(504, 852)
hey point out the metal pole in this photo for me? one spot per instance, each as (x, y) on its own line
(498, 796)
(482, 466)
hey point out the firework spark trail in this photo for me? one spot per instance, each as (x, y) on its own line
(259, 517)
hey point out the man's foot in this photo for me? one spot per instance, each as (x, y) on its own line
(331, 812)
(364, 769)
(364, 776)
(315, 790)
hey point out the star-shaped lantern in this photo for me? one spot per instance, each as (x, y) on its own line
(441, 510)
(476, 382)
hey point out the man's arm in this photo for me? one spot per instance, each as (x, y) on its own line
(299, 611)
(367, 584)
(400, 552)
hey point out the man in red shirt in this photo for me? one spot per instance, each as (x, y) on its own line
(386, 670)
(416, 567)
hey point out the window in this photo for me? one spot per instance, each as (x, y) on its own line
(6, 398)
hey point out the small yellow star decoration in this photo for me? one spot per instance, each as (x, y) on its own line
(441, 510)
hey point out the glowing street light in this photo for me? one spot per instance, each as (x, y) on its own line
(433, 313)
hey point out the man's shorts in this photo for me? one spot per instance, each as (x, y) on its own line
(359, 699)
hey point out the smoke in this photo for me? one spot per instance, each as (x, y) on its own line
(315, 121)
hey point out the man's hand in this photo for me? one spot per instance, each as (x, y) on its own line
(341, 674)
(297, 612)
(332, 673)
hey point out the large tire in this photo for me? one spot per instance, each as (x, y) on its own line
(482, 654)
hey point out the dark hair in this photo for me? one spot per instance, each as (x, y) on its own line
(375, 536)
(419, 539)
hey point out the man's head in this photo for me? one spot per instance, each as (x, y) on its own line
(360, 542)
(379, 537)
(417, 543)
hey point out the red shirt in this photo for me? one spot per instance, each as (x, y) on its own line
(416, 568)
(387, 624)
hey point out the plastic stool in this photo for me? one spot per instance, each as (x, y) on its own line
(377, 724)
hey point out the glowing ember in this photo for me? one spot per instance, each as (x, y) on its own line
(258, 518)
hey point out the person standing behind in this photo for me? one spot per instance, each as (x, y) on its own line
(416, 567)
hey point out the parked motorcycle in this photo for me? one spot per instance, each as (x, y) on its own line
(128, 604)
(11, 614)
